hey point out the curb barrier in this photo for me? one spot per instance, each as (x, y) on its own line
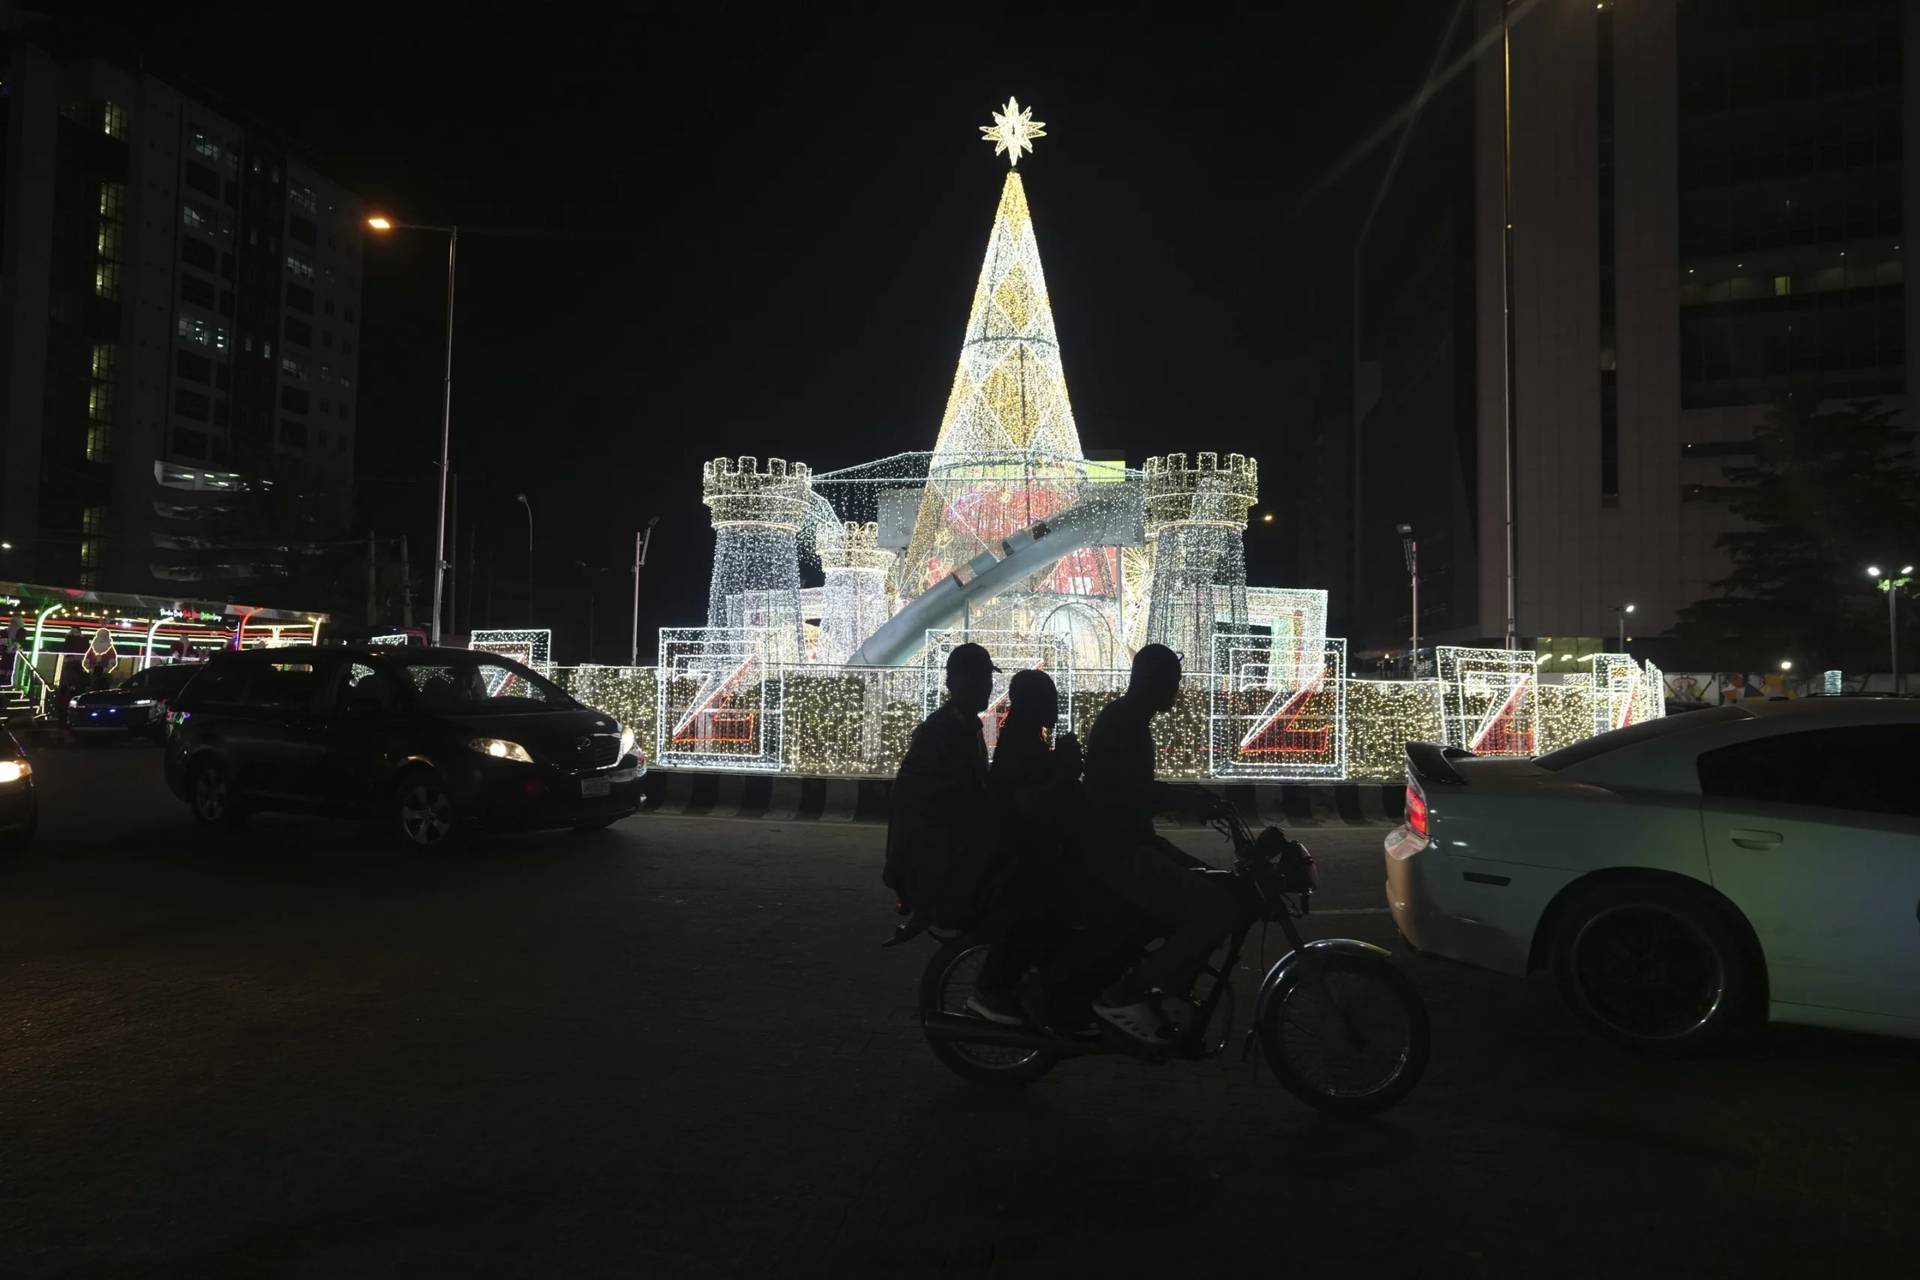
(864, 801)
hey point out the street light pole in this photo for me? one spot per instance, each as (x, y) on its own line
(1411, 549)
(521, 498)
(641, 541)
(383, 224)
(1620, 612)
(1891, 583)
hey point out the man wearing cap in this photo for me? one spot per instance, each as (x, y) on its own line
(939, 863)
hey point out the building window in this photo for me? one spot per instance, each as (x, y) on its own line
(293, 368)
(299, 266)
(301, 197)
(326, 405)
(113, 120)
(302, 231)
(113, 200)
(93, 519)
(300, 298)
(106, 241)
(293, 399)
(192, 216)
(189, 365)
(191, 404)
(299, 331)
(196, 253)
(102, 366)
(188, 443)
(202, 179)
(326, 339)
(1782, 286)
(293, 433)
(326, 306)
(106, 279)
(197, 291)
(205, 146)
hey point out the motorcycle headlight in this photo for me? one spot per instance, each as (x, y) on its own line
(626, 741)
(14, 770)
(500, 749)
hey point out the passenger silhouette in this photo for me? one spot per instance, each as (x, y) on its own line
(1033, 795)
(940, 864)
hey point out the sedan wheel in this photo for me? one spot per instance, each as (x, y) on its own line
(1653, 966)
(425, 811)
(213, 800)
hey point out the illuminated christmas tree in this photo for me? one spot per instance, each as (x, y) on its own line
(1008, 453)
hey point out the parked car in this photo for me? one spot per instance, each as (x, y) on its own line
(135, 708)
(19, 801)
(434, 742)
(1684, 875)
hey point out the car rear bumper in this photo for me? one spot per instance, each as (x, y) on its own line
(1435, 916)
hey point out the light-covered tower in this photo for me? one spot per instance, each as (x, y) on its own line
(1197, 523)
(856, 590)
(757, 514)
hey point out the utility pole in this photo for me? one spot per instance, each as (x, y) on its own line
(453, 556)
(1411, 549)
(406, 588)
(473, 569)
(641, 541)
(1506, 298)
(373, 582)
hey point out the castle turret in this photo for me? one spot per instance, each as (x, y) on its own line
(757, 514)
(856, 590)
(1197, 521)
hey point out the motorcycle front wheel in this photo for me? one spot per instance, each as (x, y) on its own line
(944, 987)
(1346, 1034)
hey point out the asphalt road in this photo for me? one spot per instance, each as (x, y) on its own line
(676, 1049)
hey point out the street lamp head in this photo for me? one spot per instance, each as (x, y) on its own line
(1786, 664)
(1404, 530)
(520, 497)
(1873, 571)
(1267, 518)
(1631, 608)
(652, 521)
(1906, 568)
(380, 222)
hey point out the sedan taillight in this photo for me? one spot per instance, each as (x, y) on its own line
(1416, 810)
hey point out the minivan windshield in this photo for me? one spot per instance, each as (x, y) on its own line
(480, 684)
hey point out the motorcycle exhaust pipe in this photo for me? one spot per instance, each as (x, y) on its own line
(950, 1026)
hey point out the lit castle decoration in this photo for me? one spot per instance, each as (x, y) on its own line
(1005, 533)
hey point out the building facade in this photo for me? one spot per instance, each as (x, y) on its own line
(178, 333)
(1709, 202)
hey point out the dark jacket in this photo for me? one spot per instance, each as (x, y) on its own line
(938, 863)
(1122, 795)
(1035, 794)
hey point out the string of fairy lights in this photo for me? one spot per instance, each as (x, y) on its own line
(916, 552)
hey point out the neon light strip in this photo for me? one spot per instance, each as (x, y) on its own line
(1486, 726)
(706, 702)
(1293, 700)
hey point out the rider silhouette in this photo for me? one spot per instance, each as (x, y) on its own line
(939, 864)
(1133, 864)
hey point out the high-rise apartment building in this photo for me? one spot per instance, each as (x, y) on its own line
(178, 332)
(1709, 202)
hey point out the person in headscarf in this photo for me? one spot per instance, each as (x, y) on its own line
(100, 659)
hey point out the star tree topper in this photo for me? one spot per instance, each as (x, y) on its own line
(1013, 130)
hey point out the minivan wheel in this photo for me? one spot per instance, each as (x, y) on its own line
(425, 811)
(214, 804)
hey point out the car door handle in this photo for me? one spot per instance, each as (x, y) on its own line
(1748, 838)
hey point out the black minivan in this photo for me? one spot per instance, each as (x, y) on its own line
(434, 742)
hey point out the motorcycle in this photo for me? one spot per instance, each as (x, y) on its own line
(1338, 1024)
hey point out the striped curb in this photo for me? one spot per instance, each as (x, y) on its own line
(864, 800)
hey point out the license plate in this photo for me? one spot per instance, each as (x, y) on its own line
(594, 787)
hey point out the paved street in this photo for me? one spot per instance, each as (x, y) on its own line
(676, 1049)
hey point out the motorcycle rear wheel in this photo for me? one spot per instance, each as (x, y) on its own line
(1348, 1034)
(944, 988)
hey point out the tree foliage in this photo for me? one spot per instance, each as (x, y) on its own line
(1830, 490)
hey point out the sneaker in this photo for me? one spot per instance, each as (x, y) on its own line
(997, 1006)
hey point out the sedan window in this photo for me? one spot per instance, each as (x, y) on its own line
(1866, 769)
(1645, 731)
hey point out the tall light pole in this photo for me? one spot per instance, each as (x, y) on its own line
(1891, 584)
(1411, 550)
(383, 225)
(641, 541)
(1621, 611)
(521, 498)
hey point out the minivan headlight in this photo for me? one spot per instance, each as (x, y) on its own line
(14, 770)
(500, 749)
(626, 741)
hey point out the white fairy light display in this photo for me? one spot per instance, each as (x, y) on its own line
(1006, 534)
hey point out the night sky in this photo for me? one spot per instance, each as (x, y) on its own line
(742, 230)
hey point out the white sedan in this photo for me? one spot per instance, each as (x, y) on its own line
(1685, 875)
